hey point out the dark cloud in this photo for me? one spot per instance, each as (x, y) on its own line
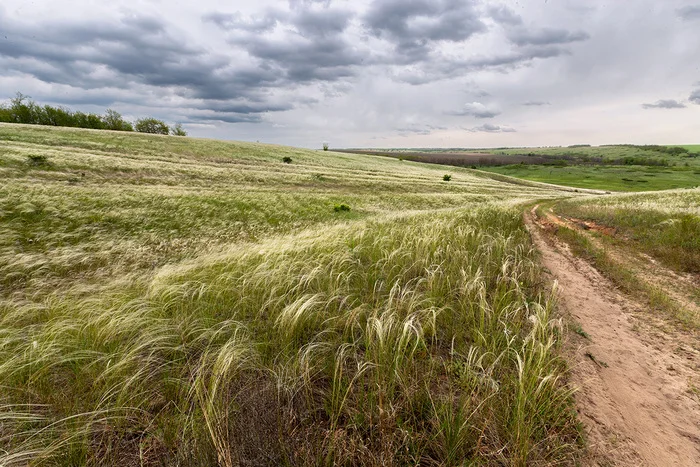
(313, 48)
(128, 51)
(689, 13)
(222, 117)
(504, 15)
(489, 128)
(321, 23)
(413, 26)
(447, 68)
(536, 103)
(665, 104)
(695, 97)
(546, 36)
(477, 110)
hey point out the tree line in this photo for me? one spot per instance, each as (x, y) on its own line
(22, 109)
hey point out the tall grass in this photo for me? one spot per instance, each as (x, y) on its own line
(169, 301)
(414, 339)
(665, 225)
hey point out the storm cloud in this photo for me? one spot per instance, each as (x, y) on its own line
(403, 72)
(695, 97)
(413, 26)
(665, 104)
(689, 13)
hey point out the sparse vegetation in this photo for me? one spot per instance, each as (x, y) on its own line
(341, 208)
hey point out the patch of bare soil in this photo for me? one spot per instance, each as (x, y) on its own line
(638, 386)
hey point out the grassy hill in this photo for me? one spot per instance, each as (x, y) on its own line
(171, 300)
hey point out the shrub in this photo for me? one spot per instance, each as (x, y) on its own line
(89, 120)
(287, 160)
(37, 160)
(447, 178)
(341, 207)
(325, 146)
(151, 125)
(178, 130)
(113, 120)
(5, 114)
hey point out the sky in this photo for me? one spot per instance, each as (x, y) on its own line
(369, 73)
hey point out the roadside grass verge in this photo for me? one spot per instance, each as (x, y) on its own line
(626, 278)
(665, 225)
(418, 338)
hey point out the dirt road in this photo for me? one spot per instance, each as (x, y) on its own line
(636, 397)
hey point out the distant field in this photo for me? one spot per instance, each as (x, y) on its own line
(175, 301)
(615, 168)
(613, 178)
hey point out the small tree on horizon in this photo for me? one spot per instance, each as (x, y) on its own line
(178, 130)
(325, 146)
(151, 125)
(113, 121)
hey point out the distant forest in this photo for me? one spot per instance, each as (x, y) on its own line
(22, 109)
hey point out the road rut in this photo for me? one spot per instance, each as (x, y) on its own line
(634, 396)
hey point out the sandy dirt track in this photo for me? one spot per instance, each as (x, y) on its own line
(634, 393)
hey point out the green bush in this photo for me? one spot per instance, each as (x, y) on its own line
(287, 160)
(447, 178)
(37, 160)
(341, 207)
(178, 130)
(113, 120)
(151, 125)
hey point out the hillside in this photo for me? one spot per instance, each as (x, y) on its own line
(611, 168)
(179, 301)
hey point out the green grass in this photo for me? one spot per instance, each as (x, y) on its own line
(174, 301)
(664, 225)
(693, 148)
(611, 178)
(608, 153)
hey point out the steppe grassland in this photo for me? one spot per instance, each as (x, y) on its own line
(664, 224)
(171, 300)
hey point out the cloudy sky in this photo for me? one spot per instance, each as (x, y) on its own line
(369, 73)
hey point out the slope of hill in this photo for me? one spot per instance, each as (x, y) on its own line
(170, 300)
